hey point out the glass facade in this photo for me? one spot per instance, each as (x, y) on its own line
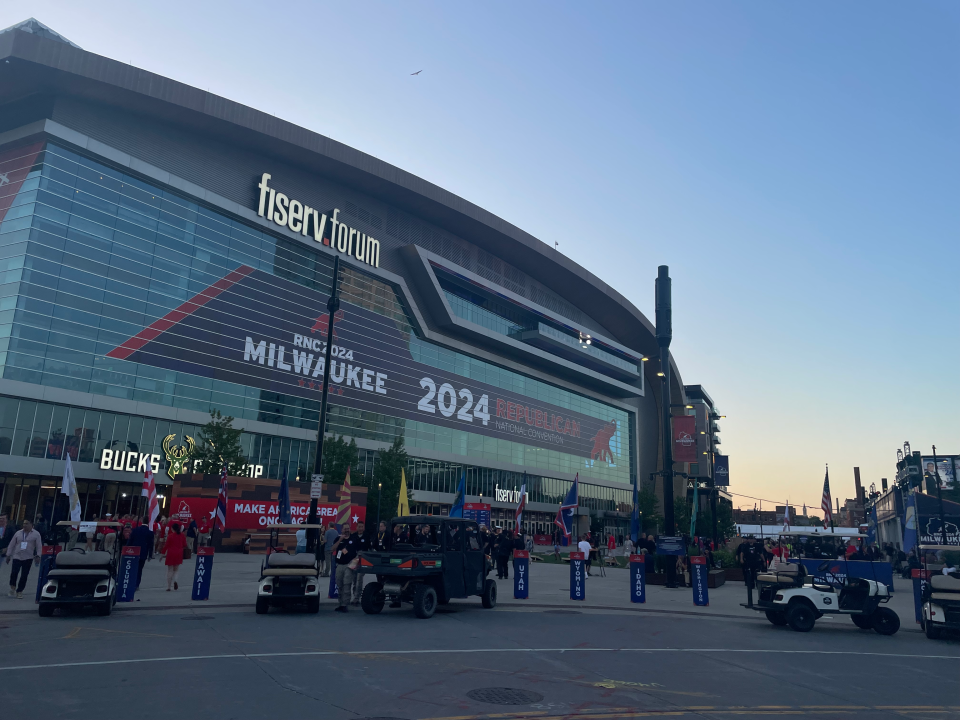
(90, 255)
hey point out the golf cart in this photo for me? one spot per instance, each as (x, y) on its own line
(940, 598)
(432, 560)
(791, 596)
(81, 577)
(288, 579)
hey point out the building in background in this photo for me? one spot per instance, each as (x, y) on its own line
(165, 252)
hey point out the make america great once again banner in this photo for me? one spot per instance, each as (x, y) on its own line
(261, 331)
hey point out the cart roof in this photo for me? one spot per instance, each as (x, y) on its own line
(90, 522)
(935, 548)
(293, 526)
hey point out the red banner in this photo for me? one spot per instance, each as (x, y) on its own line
(257, 514)
(131, 550)
(685, 438)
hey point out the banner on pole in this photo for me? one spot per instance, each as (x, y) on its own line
(684, 438)
(698, 579)
(127, 573)
(721, 470)
(577, 576)
(920, 578)
(201, 576)
(638, 579)
(521, 574)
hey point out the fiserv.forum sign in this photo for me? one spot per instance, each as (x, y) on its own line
(303, 219)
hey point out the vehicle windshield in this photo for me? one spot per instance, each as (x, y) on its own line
(415, 534)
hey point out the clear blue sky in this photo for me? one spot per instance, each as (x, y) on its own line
(796, 166)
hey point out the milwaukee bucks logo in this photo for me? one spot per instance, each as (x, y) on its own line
(177, 455)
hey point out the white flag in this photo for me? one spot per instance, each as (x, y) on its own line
(69, 488)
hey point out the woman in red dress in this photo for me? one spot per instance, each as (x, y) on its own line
(175, 545)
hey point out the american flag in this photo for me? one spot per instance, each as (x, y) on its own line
(221, 519)
(826, 503)
(518, 516)
(150, 492)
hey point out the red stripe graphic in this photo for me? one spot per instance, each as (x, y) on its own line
(126, 349)
(15, 165)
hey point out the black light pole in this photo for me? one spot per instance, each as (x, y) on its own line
(936, 479)
(664, 336)
(714, 492)
(333, 304)
(379, 496)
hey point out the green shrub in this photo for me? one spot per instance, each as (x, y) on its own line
(726, 558)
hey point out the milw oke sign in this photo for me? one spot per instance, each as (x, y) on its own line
(301, 218)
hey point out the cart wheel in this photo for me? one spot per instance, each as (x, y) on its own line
(313, 605)
(864, 622)
(105, 608)
(424, 601)
(263, 605)
(372, 598)
(776, 617)
(929, 629)
(885, 621)
(489, 597)
(801, 617)
(45, 609)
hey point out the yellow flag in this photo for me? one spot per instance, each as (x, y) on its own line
(403, 507)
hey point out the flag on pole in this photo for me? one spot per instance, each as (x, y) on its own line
(403, 506)
(220, 522)
(909, 522)
(457, 510)
(568, 509)
(283, 499)
(694, 509)
(149, 491)
(69, 488)
(346, 493)
(786, 517)
(826, 503)
(518, 515)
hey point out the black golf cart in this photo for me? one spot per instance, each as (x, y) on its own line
(288, 579)
(81, 577)
(431, 560)
(940, 597)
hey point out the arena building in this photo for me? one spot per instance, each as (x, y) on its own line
(165, 251)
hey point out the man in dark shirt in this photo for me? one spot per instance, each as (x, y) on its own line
(345, 551)
(365, 545)
(750, 555)
(381, 542)
(142, 537)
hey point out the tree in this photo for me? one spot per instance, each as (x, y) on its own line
(338, 455)
(647, 502)
(681, 514)
(219, 443)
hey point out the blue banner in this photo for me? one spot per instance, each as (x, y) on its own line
(638, 579)
(837, 570)
(670, 545)
(127, 573)
(698, 580)
(201, 576)
(920, 578)
(578, 590)
(521, 574)
(48, 561)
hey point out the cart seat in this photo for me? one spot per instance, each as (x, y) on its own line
(93, 559)
(945, 584)
(78, 572)
(786, 574)
(945, 596)
(279, 572)
(283, 560)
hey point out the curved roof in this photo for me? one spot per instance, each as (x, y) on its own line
(36, 64)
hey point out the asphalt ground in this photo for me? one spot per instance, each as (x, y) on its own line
(227, 662)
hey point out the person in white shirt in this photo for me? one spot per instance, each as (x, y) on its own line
(24, 548)
(584, 547)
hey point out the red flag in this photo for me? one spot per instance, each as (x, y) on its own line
(221, 517)
(150, 492)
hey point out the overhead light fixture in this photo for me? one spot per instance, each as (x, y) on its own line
(644, 359)
(659, 374)
(689, 407)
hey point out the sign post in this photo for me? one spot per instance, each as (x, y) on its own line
(638, 579)
(521, 574)
(698, 579)
(920, 576)
(577, 577)
(48, 561)
(128, 572)
(201, 577)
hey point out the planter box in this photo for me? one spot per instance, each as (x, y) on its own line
(716, 578)
(656, 578)
(734, 574)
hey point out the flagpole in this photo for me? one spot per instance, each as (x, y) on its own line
(664, 318)
(333, 304)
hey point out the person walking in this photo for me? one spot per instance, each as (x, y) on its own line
(204, 527)
(25, 547)
(329, 540)
(363, 546)
(601, 561)
(345, 553)
(584, 547)
(173, 548)
(142, 537)
(504, 551)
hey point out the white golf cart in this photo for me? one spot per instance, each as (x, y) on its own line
(81, 577)
(288, 579)
(941, 598)
(791, 596)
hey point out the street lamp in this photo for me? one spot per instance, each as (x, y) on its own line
(379, 495)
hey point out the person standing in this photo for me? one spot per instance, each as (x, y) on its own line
(504, 551)
(25, 547)
(329, 540)
(203, 531)
(174, 546)
(584, 547)
(345, 554)
(750, 556)
(6, 534)
(364, 545)
(595, 551)
(381, 543)
(142, 537)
